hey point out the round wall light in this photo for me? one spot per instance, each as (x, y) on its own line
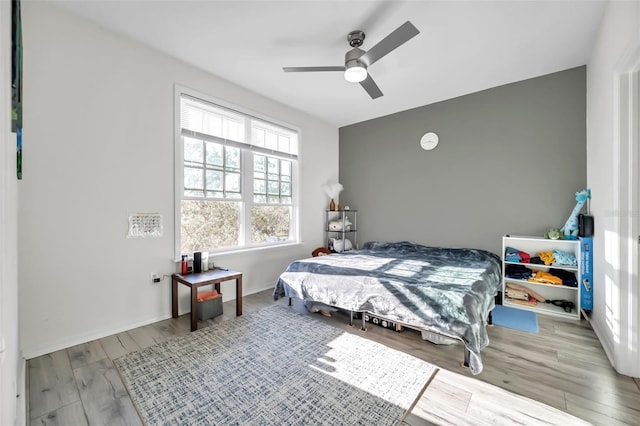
(429, 141)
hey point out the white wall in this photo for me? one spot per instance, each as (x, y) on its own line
(11, 363)
(615, 315)
(99, 146)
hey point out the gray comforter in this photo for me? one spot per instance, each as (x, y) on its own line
(449, 291)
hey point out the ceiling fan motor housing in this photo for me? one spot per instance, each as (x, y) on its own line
(353, 55)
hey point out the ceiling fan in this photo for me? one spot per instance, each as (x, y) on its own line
(357, 60)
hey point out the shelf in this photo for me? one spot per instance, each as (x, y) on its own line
(542, 265)
(545, 308)
(525, 282)
(347, 221)
(533, 246)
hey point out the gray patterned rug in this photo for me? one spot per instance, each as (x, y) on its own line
(273, 367)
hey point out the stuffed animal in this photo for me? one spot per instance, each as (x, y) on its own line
(340, 245)
(570, 227)
(336, 225)
(553, 234)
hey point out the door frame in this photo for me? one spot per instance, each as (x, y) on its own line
(626, 191)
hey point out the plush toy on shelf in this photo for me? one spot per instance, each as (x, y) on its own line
(553, 234)
(336, 225)
(340, 245)
(570, 227)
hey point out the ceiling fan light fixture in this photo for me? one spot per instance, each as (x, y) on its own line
(357, 60)
(355, 72)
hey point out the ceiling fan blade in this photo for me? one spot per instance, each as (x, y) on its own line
(371, 87)
(311, 69)
(398, 37)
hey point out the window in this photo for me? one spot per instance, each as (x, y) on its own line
(236, 177)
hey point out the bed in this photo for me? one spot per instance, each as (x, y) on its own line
(446, 291)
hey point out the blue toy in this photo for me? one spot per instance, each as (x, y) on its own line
(570, 227)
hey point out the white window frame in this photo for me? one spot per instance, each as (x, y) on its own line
(246, 161)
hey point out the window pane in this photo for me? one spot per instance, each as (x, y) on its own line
(258, 186)
(214, 180)
(193, 178)
(285, 168)
(232, 182)
(257, 198)
(258, 163)
(232, 157)
(209, 224)
(214, 154)
(270, 223)
(193, 150)
(278, 179)
(273, 188)
(274, 166)
(192, 193)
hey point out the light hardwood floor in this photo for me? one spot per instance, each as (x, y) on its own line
(527, 378)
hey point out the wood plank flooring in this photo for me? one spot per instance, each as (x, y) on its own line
(527, 378)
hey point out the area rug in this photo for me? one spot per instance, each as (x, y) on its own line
(273, 366)
(516, 319)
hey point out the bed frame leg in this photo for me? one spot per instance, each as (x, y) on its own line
(289, 301)
(490, 319)
(364, 322)
(350, 318)
(467, 356)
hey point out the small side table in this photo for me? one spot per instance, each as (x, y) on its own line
(196, 280)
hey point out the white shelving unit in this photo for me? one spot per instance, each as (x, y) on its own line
(533, 246)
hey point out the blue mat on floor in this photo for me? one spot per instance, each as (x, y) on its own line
(517, 319)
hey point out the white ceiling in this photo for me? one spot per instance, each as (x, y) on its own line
(463, 46)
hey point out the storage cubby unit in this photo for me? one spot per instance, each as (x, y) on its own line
(533, 246)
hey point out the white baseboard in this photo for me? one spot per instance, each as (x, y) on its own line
(88, 337)
(603, 337)
(107, 331)
(22, 402)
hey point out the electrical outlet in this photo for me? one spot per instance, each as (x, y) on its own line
(155, 277)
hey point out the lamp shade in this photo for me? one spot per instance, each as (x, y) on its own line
(355, 72)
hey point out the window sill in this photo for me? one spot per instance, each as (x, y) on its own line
(249, 250)
(255, 249)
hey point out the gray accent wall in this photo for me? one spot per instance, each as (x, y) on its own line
(509, 161)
